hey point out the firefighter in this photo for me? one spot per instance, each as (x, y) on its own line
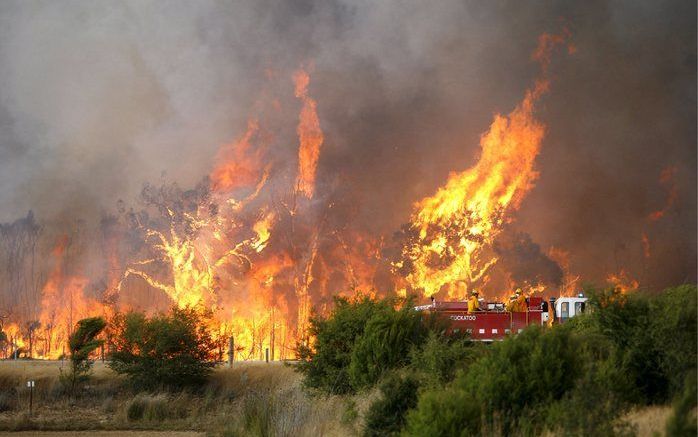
(520, 303)
(510, 306)
(473, 303)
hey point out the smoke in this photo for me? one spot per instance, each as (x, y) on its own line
(99, 98)
(525, 262)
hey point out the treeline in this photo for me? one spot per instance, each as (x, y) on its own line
(627, 351)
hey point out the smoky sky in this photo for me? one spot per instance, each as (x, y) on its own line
(98, 98)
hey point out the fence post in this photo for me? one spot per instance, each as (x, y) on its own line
(266, 353)
(231, 351)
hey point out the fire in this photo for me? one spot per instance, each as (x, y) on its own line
(622, 282)
(244, 247)
(240, 164)
(455, 225)
(668, 180)
(309, 134)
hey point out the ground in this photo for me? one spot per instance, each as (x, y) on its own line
(251, 398)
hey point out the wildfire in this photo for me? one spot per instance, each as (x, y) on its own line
(455, 225)
(247, 248)
(309, 134)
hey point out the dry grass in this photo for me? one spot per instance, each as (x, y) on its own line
(249, 399)
(649, 421)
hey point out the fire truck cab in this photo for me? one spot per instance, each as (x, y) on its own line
(493, 322)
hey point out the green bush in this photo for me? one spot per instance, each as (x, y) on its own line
(444, 413)
(82, 342)
(438, 357)
(386, 415)
(326, 364)
(173, 350)
(653, 339)
(682, 422)
(385, 344)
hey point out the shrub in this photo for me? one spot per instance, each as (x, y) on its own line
(82, 343)
(683, 419)
(325, 365)
(444, 412)
(438, 357)
(155, 408)
(386, 415)
(385, 344)
(173, 350)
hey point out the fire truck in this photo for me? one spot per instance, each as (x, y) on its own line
(493, 322)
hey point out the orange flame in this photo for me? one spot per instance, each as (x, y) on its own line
(309, 134)
(240, 166)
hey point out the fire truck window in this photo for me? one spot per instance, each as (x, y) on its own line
(578, 308)
(565, 310)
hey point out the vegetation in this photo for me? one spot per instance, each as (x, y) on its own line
(326, 364)
(630, 351)
(627, 366)
(172, 350)
(82, 342)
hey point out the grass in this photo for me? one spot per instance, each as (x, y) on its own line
(251, 399)
(248, 399)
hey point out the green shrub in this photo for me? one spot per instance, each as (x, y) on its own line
(325, 365)
(682, 422)
(82, 342)
(438, 357)
(386, 415)
(174, 350)
(444, 413)
(385, 344)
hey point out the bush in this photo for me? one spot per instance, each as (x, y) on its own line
(444, 412)
(683, 419)
(438, 357)
(653, 339)
(82, 343)
(174, 350)
(386, 415)
(325, 365)
(155, 408)
(385, 344)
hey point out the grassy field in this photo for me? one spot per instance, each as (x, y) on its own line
(249, 399)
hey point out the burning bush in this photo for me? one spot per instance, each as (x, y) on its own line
(172, 350)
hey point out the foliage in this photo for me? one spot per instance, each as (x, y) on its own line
(326, 364)
(439, 356)
(683, 420)
(172, 350)
(385, 344)
(82, 342)
(386, 415)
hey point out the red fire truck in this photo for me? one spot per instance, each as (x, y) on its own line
(494, 322)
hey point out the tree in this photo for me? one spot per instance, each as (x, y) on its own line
(172, 350)
(82, 343)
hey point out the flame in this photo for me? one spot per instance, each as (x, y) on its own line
(309, 134)
(239, 166)
(622, 282)
(465, 215)
(667, 179)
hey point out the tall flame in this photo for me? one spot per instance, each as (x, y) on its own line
(464, 216)
(309, 134)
